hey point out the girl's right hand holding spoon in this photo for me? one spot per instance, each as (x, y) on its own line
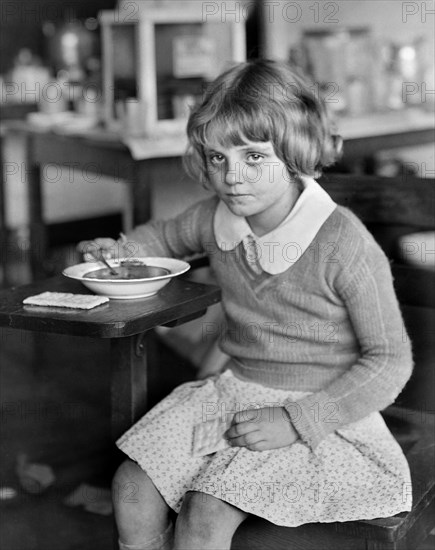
(102, 246)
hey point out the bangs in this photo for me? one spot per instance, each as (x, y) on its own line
(262, 101)
(234, 125)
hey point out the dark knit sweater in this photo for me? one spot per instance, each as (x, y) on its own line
(330, 324)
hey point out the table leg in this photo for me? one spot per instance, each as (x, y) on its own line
(38, 232)
(129, 381)
(140, 186)
(129, 363)
(3, 229)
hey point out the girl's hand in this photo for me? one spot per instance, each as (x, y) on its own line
(92, 250)
(261, 429)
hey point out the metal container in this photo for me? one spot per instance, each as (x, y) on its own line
(71, 47)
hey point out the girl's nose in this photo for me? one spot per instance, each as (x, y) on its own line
(232, 174)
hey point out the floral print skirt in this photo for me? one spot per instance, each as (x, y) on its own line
(357, 472)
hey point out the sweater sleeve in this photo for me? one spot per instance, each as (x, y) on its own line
(385, 361)
(179, 237)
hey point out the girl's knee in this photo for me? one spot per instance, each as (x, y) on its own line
(141, 513)
(128, 483)
(196, 502)
(127, 472)
(204, 515)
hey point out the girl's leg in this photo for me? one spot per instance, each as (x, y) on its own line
(205, 522)
(141, 513)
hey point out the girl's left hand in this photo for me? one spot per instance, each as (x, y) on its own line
(261, 429)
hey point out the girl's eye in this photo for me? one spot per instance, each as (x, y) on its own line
(255, 158)
(216, 159)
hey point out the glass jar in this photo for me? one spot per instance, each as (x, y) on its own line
(340, 61)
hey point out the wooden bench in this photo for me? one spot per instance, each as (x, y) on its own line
(390, 207)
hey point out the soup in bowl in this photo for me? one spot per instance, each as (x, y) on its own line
(128, 272)
(130, 279)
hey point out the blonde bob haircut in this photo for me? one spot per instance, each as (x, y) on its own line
(263, 101)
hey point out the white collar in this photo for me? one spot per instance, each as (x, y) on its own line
(283, 246)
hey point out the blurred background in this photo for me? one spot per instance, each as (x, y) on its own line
(81, 70)
(372, 61)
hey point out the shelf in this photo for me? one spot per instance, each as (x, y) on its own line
(381, 124)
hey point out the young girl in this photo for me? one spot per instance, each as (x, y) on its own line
(290, 431)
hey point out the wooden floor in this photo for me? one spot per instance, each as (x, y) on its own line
(57, 412)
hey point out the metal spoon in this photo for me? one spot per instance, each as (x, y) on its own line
(105, 262)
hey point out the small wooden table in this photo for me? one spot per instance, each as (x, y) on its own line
(125, 323)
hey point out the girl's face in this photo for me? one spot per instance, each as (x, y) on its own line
(253, 182)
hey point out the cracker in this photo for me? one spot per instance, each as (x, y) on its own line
(208, 437)
(66, 299)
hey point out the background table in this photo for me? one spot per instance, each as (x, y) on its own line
(102, 155)
(125, 323)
